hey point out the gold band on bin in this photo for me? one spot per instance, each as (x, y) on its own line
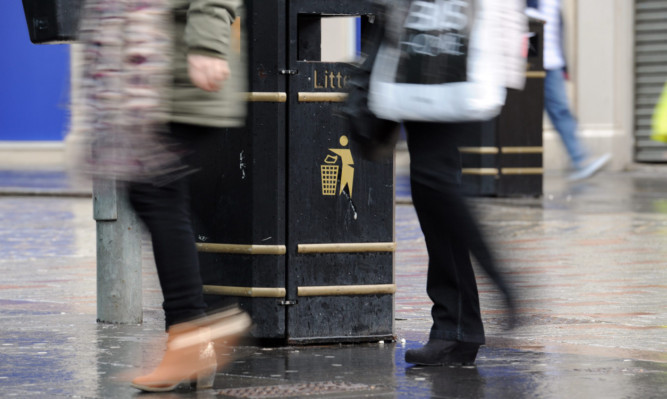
(330, 290)
(242, 249)
(480, 171)
(253, 292)
(321, 97)
(479, 150)
(536, 74)
(522, 150)
(271, 97)
(346, 247)
(522, 171)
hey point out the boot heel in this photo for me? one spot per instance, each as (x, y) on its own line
(464, 353)
(206, 378)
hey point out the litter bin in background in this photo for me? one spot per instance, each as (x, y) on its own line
(290, 220)
(505, 158)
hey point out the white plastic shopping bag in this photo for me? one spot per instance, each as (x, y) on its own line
(452, 62)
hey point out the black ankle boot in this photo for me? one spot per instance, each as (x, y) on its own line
(438, 352)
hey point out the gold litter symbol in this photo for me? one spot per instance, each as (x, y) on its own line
(330, 170)
(329, 175)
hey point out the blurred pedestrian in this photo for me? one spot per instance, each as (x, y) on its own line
(450, 80)
(452, 234)
(555, 95)
(162, 77)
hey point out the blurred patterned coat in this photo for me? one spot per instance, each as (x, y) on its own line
(135, 81)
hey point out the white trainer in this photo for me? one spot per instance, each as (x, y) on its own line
(590, 169)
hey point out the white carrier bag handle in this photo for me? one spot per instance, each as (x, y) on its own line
(453, 62)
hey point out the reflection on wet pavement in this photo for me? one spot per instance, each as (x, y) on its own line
(91, 362)
(588, 261)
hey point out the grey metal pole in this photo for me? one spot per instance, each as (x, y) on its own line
(119, 297)
(119, 294)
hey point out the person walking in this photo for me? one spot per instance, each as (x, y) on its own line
(556, 102)
(408, 57)
(150, 134)
(452, 234)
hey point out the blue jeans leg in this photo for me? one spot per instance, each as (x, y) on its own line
(558, 109)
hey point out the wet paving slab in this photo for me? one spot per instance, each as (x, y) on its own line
(85, 360)
(378, 370)
(587, 260)
(43, 183)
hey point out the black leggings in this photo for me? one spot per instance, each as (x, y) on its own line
(450, 230)
(164, 208)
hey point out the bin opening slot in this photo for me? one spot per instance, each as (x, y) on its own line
(330, 38)
(534, 41)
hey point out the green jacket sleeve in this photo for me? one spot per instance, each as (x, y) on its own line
(208, 27)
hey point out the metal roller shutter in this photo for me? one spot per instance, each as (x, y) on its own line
(650, 74)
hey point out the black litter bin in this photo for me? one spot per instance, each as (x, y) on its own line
(290, 220)
(505, 158)
(52, 21)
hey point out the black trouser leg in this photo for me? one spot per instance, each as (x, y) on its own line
(165, 210)
(450, 229)
(451, 283)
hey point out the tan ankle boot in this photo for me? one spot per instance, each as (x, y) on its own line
(191, 351)
(228, 327)
(190, 358)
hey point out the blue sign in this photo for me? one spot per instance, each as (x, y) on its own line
(34, 89)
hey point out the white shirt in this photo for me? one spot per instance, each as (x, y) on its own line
(553, 47)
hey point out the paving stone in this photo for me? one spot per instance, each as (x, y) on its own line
(588, 261)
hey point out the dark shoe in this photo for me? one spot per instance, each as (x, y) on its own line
(438, 352)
